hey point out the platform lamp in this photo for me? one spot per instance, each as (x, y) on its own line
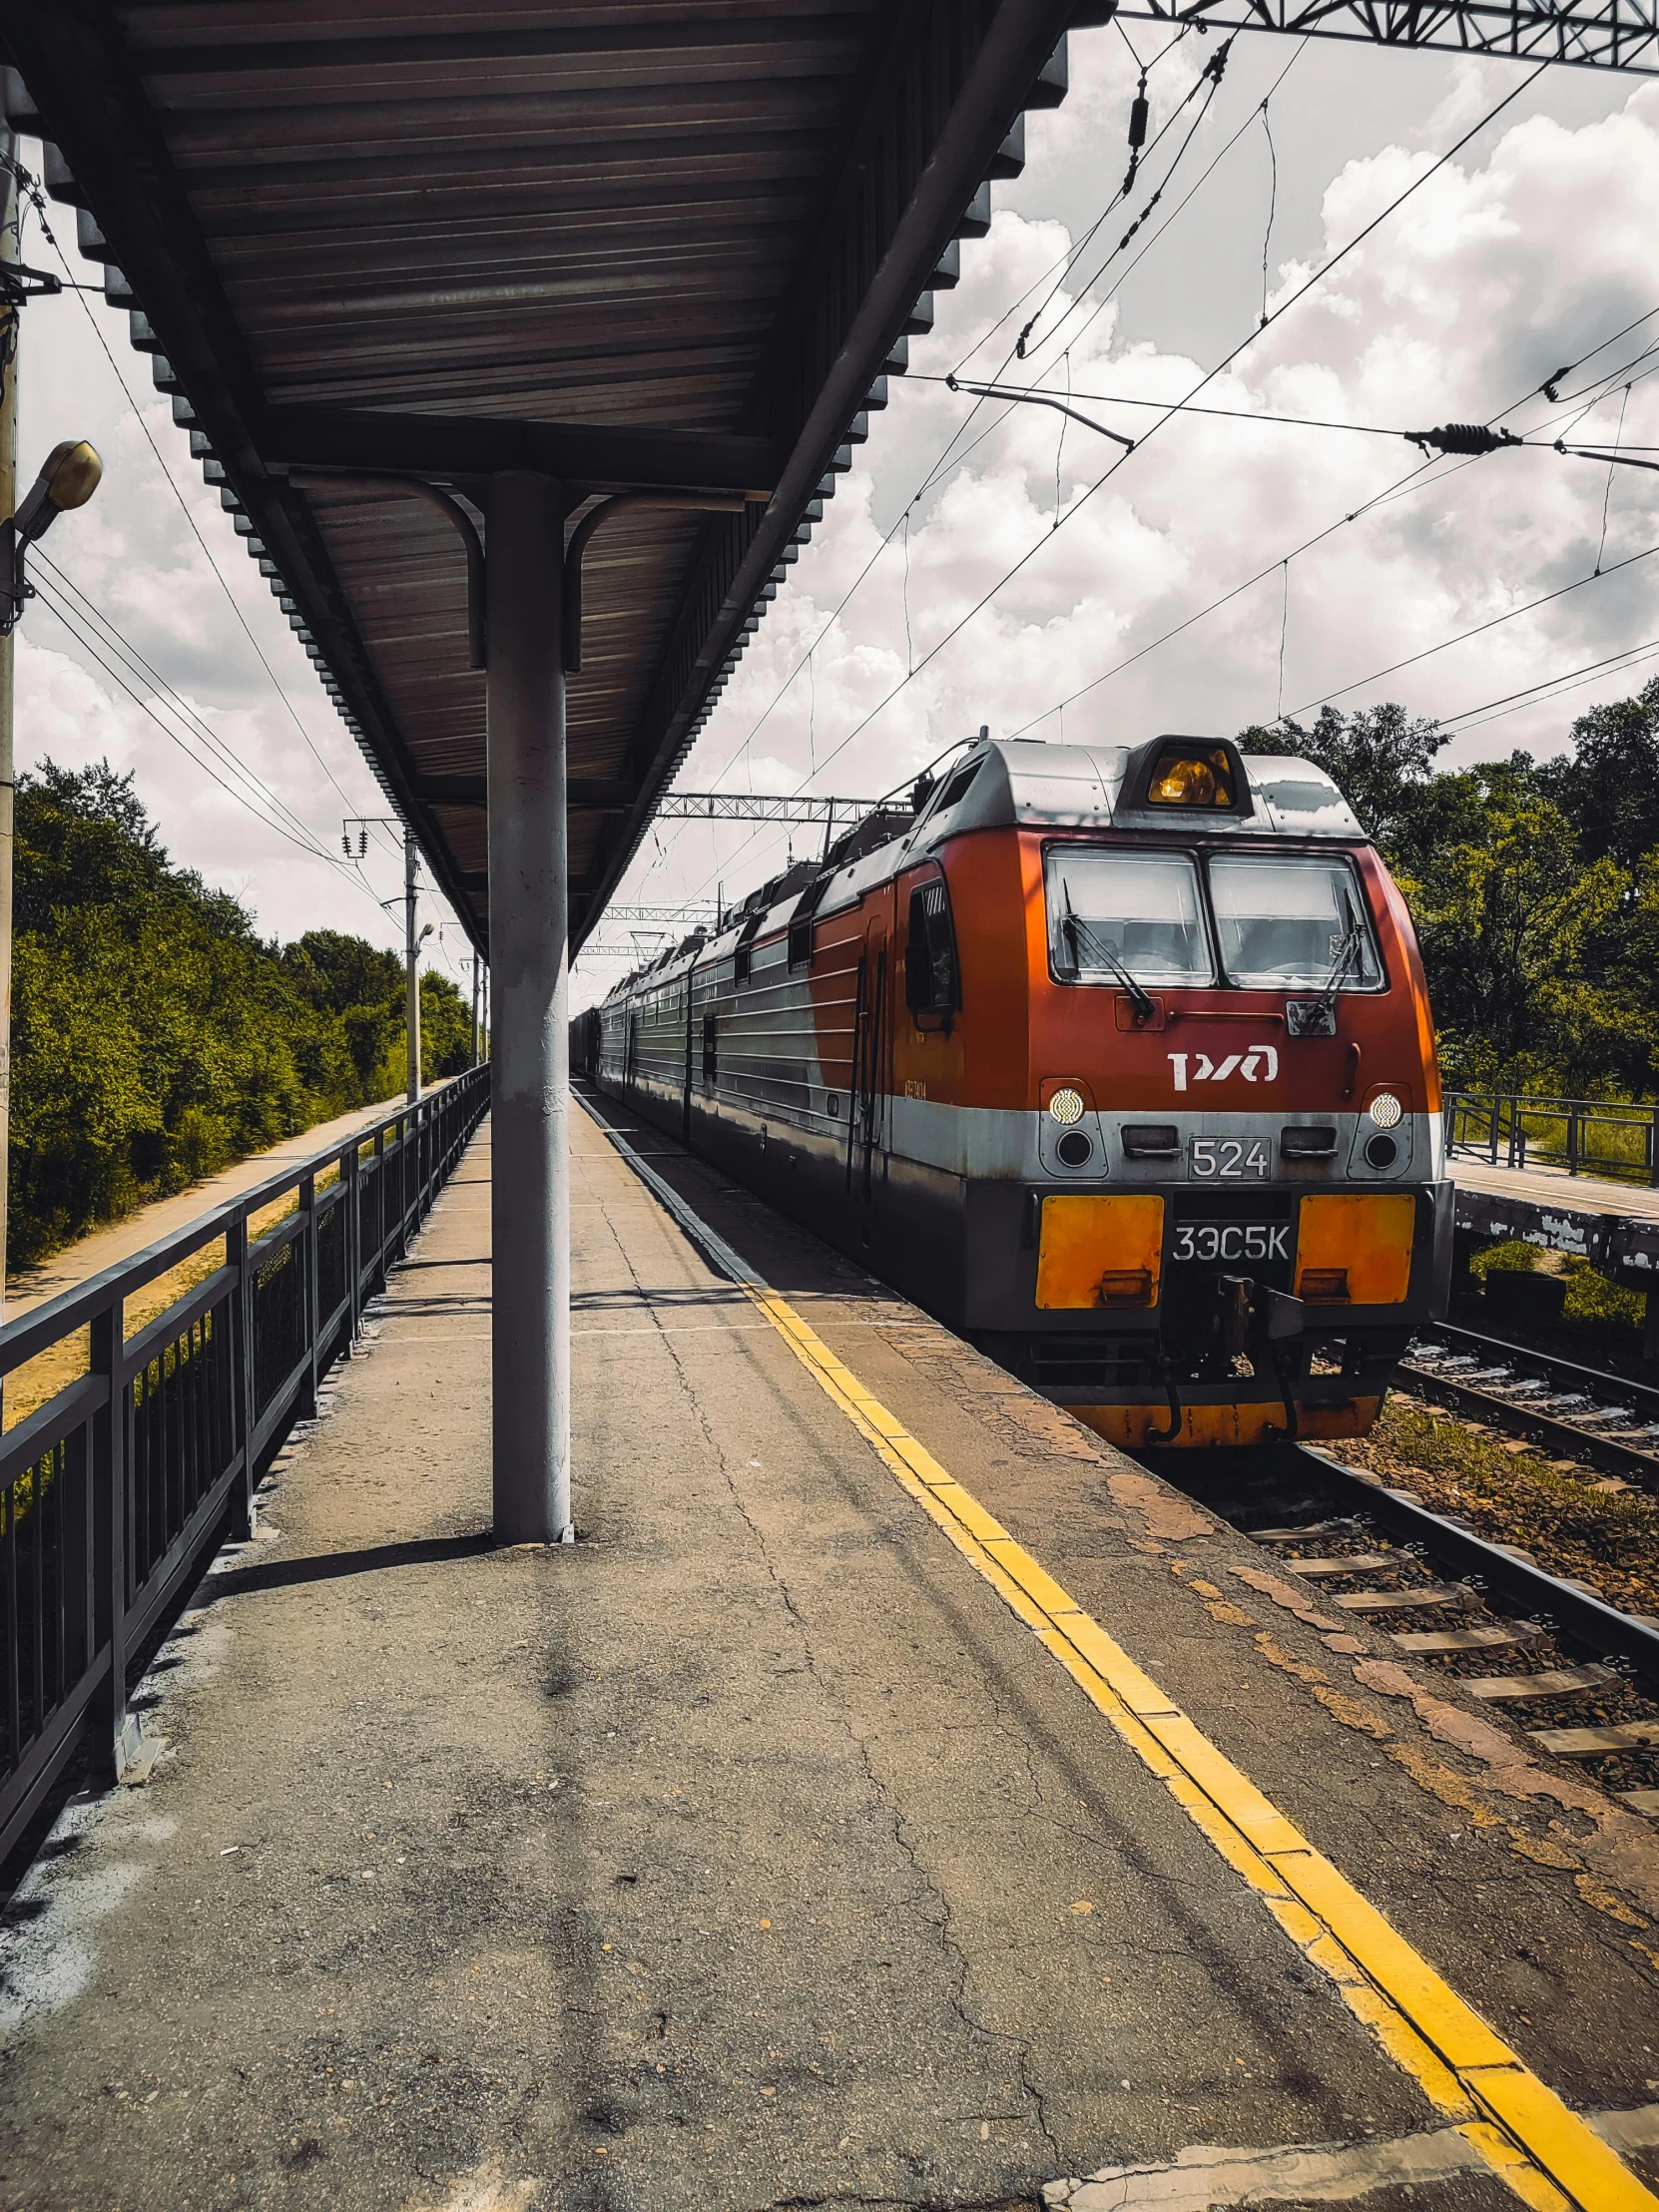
(67, 479)
(69, 476)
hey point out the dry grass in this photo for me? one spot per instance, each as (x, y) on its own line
(30, 1387)
(1518, 1497)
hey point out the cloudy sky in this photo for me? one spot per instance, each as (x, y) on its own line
(1203, 582)
(1528, 250)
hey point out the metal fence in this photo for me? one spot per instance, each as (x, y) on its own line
(115, 1491)
(1583, 1136)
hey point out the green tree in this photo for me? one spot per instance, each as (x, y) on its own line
(1534, 889)
(1382, 759)
(1608, 785)
(155, 1037)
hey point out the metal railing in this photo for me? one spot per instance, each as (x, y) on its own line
(115, 1491)
(1582, 1136)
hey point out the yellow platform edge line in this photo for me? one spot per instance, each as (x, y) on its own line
(1530, 2139)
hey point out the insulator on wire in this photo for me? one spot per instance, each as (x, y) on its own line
(346, 843)
(1462, 438)
(362, 843)
(1138, 115)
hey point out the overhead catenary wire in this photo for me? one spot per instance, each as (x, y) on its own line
(125, 664)
(1177, 406)
(1273, 203)
(1210, 75)
(1016, 393)
(1214, 70)
(1492, 710)
(1476, 630)
(1099, 306)
(91, 644)
(1174, 408)
(1426, 475)
(1547, 388)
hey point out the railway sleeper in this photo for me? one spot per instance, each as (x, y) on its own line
(1549, 1682)
(1431, 1642)
(1596, 1743)
(1552, 1682)
(1358, 1562)
(1404, 1601)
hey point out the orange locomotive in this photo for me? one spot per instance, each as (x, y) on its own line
(1119, 1060)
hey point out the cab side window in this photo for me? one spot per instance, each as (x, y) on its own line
(932, 981)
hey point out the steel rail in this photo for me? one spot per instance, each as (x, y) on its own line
(1517, 1418)
(1576, 1611)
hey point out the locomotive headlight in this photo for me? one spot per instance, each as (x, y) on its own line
(1385, 1110)
(1066, 1106)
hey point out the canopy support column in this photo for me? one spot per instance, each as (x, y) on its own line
(530, 1053)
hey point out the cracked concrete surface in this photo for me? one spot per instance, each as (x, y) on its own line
(748, 1854)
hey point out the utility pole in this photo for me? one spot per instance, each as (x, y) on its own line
(11, 324)
(357, 828)
(475, 1039)
(411, 956)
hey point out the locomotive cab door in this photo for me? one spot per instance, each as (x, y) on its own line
(866, 1132)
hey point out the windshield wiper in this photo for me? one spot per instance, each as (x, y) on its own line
(1347, 952)
(1139, 997)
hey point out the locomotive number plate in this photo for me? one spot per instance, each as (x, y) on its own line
(1232, 1240)
(1228, 1159)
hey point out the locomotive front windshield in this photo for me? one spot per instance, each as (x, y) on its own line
(1292, 921)
(1266, 922)
(1112, 911)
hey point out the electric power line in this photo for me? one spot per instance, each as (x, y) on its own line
(89, 611)
(28, 183)
(938, 465)
(109, 651)
(1212, 73)
(1476, 630)
(90, 642)
(1414, 480)
(1508, 702)
(1178, 406)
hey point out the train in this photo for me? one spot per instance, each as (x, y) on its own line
(1116, 1058)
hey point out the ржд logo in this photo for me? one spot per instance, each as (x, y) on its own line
(1259, 1065)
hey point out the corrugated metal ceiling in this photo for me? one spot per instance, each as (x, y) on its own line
(411, 236)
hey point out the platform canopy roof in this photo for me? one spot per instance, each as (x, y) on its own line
(664, 247)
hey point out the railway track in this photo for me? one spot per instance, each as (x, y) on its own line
(1576, 1677)
(1582, 1414)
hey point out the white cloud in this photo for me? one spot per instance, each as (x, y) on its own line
(1530, 248)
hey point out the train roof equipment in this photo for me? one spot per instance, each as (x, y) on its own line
(1165, 784)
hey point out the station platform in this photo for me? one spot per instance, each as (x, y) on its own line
(896, 1796)
(1613, 1225)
